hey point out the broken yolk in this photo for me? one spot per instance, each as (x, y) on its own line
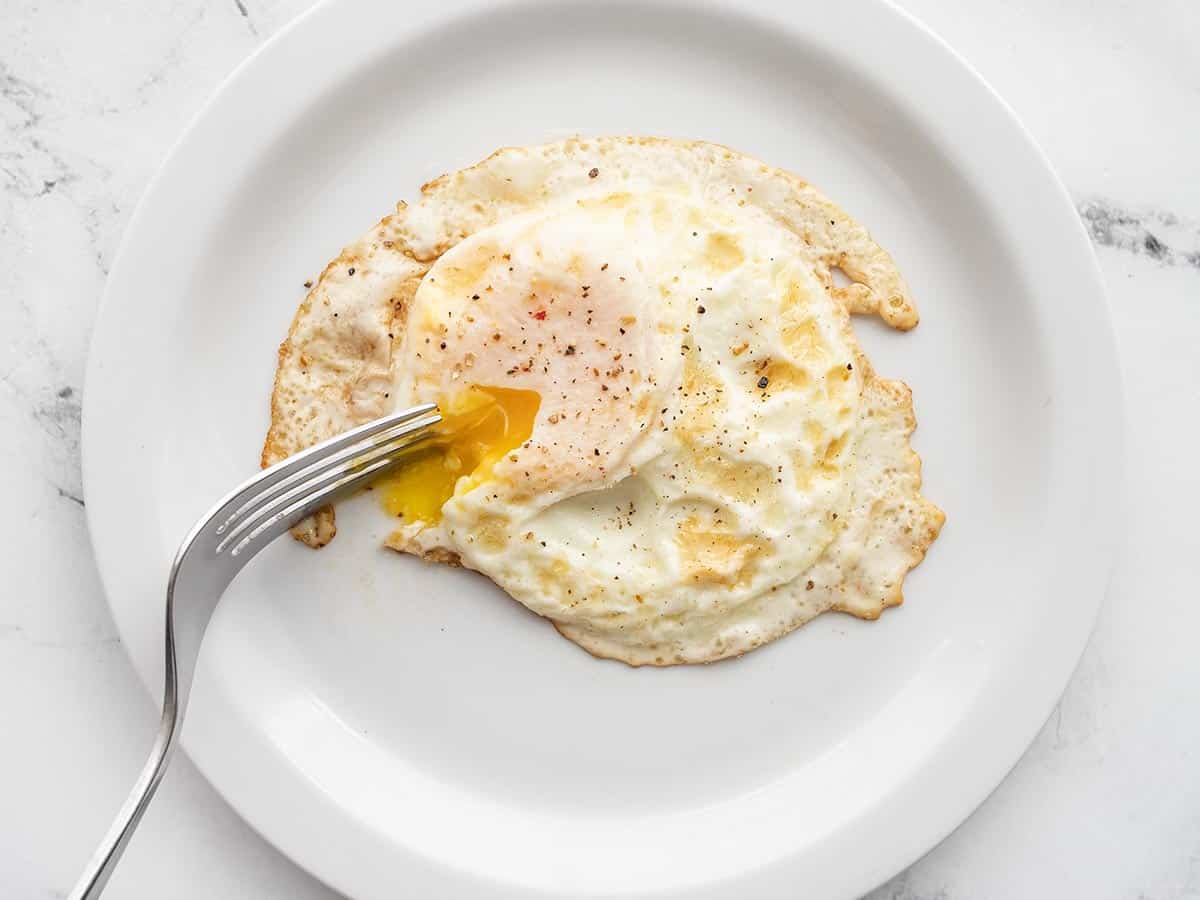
(478, 428)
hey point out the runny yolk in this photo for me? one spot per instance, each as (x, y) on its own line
(478, 428)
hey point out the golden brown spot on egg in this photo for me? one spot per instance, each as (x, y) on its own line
(575, 266)
(551, 577)
(711, 553)
(748, 482)
(782, 375)
(835, 381)
(489, 533)
(617, 200)
(661, 214)
(828, 466)
(804, 340)
(795, 298)
(839, 373)
(465, 275)
(701, 399)
(402, 300)
(802, 470)
(543, 288)
(723, 252)
(834, 449)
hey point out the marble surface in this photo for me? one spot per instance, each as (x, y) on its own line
(1106, 803)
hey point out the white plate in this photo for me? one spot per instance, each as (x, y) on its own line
(405, 730)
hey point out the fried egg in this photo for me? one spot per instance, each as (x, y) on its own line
(661, 434)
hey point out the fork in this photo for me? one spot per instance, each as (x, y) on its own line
(215, 550)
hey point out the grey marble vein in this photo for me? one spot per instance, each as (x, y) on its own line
(901, 888)
(1162, 236)
(35, 380)
(245, 14)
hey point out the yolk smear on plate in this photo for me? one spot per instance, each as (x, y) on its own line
(478, 428)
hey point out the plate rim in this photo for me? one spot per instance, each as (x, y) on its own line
(1108, 375)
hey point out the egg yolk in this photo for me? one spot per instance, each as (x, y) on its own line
(478, 428)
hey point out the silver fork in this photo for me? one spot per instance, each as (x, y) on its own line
(215, 550)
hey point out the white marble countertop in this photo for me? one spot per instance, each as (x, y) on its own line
(1106, 804)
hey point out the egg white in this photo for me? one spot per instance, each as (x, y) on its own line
(714, 461)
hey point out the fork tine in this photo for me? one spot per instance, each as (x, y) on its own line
(321, 472)
(274, 487)
(271, 526)
(246, 495)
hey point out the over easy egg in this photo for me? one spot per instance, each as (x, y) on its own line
(661, 433)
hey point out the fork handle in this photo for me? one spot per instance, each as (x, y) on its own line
(104, 860)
